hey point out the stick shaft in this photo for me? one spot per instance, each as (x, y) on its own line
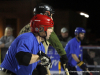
(48, 71)
(66, 70)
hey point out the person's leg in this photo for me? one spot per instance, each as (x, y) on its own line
(40, 70)
(2, 73)
(3, 53)
(72, 69)
(35, 72)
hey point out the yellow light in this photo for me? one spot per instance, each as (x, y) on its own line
(59, 67)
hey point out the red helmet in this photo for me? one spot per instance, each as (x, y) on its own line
(40, 23)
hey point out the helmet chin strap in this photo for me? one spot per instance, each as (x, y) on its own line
(79, 38)
(44, 37)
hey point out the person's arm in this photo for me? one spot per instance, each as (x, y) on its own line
(9, 43)
(26, 58)
(55, 42)
(34, 58)
(25, 29)
(75, 57)
(1, 40)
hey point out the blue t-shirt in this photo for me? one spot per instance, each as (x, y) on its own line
(73, 47)
(26, 42)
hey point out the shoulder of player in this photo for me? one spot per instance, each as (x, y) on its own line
(27, 36)
(72, 40)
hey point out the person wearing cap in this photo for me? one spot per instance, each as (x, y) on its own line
(64, 37)
(5, 41)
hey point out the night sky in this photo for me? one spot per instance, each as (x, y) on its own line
(90, 7)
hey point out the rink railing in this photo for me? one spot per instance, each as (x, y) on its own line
(84, 47)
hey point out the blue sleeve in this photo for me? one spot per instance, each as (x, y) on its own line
(24, 45)
(72, 48)
(81, 54)
(66, 47)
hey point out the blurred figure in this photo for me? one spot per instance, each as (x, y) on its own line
(93, 60)
(6, 41)
(64, 37)
(74, 52)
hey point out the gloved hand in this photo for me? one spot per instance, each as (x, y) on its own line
(82, 65)
(45, 60)
(49, 66)
(63, 59)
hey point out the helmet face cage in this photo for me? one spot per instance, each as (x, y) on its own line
(41, 28)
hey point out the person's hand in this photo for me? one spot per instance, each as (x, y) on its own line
(45, 60)
(63, 59)
(2, 45)
(82, 65)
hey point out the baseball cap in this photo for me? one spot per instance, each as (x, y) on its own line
(63, 30)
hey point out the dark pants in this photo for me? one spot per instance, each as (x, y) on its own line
(40, 70)
(7, 72)
(72, 69)
(3, 53)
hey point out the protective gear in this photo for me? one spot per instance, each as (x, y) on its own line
(40, 23)
(79, 30)
(42, 8)
(82, 65)
(22, 57)
(63, 59)
(45, 60)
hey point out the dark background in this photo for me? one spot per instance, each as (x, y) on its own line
(88, 6)
(17, 13)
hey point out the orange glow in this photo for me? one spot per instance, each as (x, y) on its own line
(1, 28)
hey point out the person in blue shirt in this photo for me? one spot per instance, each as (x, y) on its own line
(74, 51)
(26, 50)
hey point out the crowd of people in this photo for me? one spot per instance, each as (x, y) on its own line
(33, 46)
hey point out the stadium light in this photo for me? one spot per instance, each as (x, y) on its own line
(84, 14)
